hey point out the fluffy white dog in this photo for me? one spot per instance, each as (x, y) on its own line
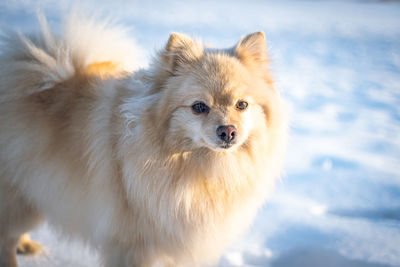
(160, 166)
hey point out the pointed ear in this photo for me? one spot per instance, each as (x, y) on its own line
(252, 49)
(181, 50)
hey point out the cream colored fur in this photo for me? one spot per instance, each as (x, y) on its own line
(118, 158)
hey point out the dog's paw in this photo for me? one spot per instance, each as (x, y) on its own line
(28, 247)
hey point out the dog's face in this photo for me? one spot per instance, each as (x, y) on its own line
(214, 108)
(212, 97)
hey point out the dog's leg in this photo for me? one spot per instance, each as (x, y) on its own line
(7, 252)
(116, 255)
(27, 246)
(17, 217)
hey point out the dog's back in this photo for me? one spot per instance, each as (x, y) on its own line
(48, 102)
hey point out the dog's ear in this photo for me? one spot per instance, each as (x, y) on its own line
(252, 52)
(181, 50)
(252, 49)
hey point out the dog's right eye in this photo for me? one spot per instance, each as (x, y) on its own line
(200, 108)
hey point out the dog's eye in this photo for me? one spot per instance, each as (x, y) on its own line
(200, 107)
(241, 105)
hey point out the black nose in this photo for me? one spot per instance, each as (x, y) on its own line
(226, 132)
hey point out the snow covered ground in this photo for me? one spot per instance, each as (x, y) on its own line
(338, 65)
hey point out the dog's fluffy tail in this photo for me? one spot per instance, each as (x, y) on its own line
(85, 47)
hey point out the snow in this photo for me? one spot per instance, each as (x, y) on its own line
(338, 65)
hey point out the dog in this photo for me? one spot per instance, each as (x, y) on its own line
(161, 166)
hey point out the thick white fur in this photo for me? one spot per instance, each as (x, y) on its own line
(114, 159)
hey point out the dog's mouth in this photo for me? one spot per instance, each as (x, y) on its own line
(226, 145)
(219, 145)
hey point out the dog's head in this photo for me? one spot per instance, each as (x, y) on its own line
(212, 98)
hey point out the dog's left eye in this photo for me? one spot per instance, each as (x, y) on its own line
(200, 107)
(241, 105)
